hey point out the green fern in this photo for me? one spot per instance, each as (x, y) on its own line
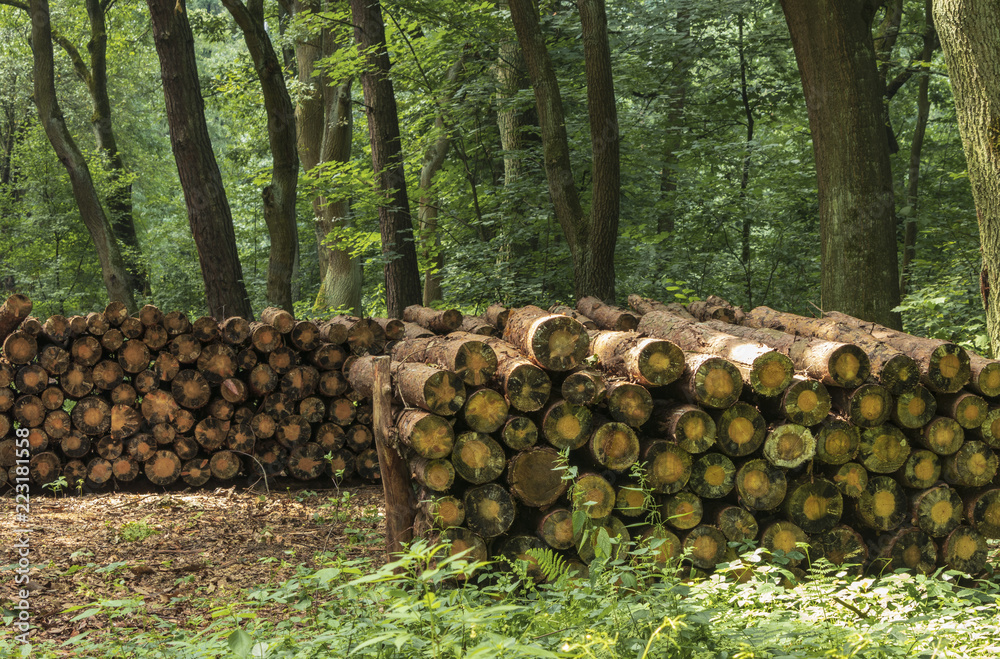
(551, 564)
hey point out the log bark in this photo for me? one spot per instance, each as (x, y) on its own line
(647, 361)
(526, 385)
(830, 362)
(435, 320)
(606, 316)
(766, 371)
(464, 354)
(563, 310)
(894, 370)
(554, 342)
(583, 387)
(944, 366)
(644, 305)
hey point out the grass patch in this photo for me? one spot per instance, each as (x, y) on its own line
(430, 605)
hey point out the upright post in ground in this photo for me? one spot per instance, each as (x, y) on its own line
(400, 504)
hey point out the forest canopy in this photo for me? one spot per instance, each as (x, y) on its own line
(711, 186)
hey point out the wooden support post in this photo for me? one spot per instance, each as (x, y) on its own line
(400, 506)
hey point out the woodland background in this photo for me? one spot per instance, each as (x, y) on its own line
(718, 190)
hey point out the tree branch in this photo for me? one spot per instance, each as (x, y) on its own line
(79, 65)
(15, 4)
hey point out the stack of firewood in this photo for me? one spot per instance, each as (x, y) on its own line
(109, 397)
(698, 426)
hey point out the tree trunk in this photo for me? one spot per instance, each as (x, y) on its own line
(592, 239)
(325, 127)
(208, 209)
(114, 273)
(836, 58)
(916, 148)
(674, 139)
(279, 197)
(599, 267)
(968, 32)
(402, 278)
(119, 199)
(428, 210)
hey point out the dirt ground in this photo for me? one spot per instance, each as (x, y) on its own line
(173, 548)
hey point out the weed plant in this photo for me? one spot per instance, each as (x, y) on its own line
(429, 604)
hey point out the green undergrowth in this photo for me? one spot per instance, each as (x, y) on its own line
(430, 605)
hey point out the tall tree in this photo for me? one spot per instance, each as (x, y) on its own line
(930, 44)
(116, 278)
(970, 39)
(402, 278)
(119, 199)
(279, 197)
(325, 128)
(427, 211)
(833, 46)
(207, 206)
(591, 237)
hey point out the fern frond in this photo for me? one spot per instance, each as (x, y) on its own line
(551, 564)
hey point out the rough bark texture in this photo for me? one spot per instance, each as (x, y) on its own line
(591, 239)
(833, 46)
(279, 197)
(895, 371)
(119, 200)
(113, 271)
(916, 148)
(968, 32)
(428, 210)
(208, 209)
(402, 279)
(768, 372)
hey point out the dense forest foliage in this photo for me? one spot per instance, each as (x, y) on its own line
(718, 186)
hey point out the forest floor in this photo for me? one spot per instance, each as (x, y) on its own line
(179, 550)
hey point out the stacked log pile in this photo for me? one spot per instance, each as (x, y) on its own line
(692, 426)
(698, 427)
(109, 398)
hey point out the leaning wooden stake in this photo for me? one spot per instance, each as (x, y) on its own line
(399, 500)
